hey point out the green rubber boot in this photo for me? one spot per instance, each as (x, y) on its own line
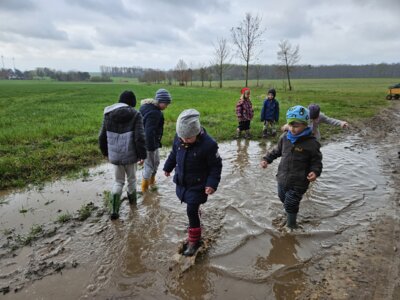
(132, 198)
(291, 221)
(115, 205)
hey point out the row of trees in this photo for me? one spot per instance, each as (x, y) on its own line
(44, 73)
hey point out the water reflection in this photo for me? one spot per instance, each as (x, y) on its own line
(283, 257)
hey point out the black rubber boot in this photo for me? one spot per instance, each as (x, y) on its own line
(191, 249)
(132, 198)
(291, 221)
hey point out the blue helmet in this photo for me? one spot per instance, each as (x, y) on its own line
(297, 113)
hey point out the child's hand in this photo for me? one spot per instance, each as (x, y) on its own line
(209, 190)
(285, 127)
(167, 173)
(263, 164)
(311, 176)
(344, 124)
(140, 162)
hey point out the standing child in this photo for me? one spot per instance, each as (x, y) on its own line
(121, 139)
(317, 117)
(153, 121)
(270, 113)
(301, 161)
(244, 113)
(198, 167)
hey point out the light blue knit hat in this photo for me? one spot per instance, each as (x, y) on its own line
(163, 96)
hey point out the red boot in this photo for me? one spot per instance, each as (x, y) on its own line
(194, 236)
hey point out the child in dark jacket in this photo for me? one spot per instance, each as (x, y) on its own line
(301, 161)
(153, 121)
(270, 113)
(198, 167)
(244, 113)
(121, 139)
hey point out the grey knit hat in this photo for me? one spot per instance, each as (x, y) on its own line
(163, 96)
(188, 123)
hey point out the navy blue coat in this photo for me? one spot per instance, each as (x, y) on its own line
(270, 110)
(153, 122)
(196, 165)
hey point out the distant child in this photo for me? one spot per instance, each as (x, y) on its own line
(270, 113)
(244, 113)
(317, 117)
(198, 167)
(300, 164)
(153, 121)
(121, 139)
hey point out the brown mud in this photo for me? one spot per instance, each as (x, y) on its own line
(57, 242)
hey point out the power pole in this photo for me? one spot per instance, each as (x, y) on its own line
(13, 63)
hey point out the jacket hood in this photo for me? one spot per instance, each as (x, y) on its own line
(120, 112)
(148, 101)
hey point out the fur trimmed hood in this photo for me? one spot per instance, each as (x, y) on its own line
(148, 101)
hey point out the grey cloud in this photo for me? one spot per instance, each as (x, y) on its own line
(115, 8)
(32, 29)
(17, 5)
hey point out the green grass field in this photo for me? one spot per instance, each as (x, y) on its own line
(48, 129)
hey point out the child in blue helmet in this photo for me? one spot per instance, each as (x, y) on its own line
(301, 161)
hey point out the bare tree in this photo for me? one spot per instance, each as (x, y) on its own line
(181, 72)
(288, 56)
(203, 74)
(221, 58)
(248, 37)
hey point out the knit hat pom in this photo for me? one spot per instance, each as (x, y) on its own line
(188, 123)
(163, 96)
(244, 90)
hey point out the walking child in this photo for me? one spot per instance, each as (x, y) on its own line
(153, 121)
(198, 167)
(301, 161)
(121, 140)
(270, 113)
(244, 113)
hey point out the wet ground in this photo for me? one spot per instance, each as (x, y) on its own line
(346, 248)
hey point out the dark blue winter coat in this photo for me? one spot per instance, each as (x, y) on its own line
(196, 165)
(153, 122)
(270, 110)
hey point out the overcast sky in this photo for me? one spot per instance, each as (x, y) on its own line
(84, 34)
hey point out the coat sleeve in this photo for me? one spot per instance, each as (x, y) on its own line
(275, 152)
(277, 112)
(330, 121)
(103, 139)
(316, 161)
(153, 118)
(170, 163)
(263, 112)
(140, 142)
(214, 163)
(239, 110)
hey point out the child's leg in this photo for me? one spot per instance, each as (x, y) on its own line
(273, 128)
(150, 167)
(291, 201)
(194, 230)
(119, 179)
(265, 129)
(131, 178)
(239, 130)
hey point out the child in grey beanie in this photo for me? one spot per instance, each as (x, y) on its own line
(198, 166)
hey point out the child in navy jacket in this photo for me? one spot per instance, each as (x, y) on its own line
(198, 167)
(270, 113)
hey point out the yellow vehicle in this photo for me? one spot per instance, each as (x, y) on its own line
(393, 92)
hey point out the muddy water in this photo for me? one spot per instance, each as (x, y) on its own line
(250, 257)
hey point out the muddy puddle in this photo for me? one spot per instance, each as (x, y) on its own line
(250, 256)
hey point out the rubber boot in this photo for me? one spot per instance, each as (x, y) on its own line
(132, 198)
(265, 132)
(145, 185)
(247, 135)
(152, 180)
(238, 134)
(273, 133)
(115, 205)
(291, 221)
(194, 236)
